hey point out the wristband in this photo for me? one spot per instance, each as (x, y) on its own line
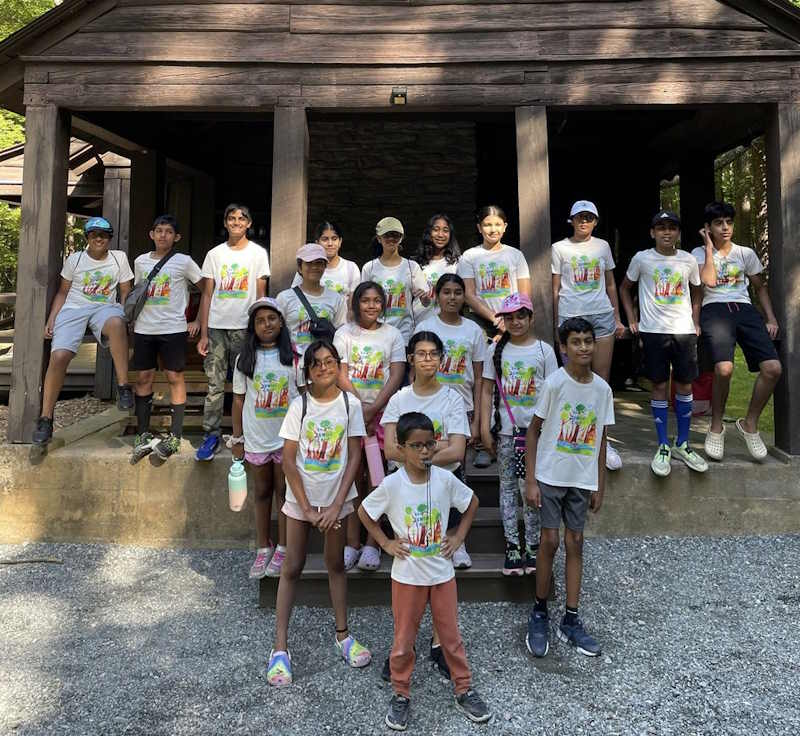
(230, 440)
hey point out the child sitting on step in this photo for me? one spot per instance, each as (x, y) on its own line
(417, 501)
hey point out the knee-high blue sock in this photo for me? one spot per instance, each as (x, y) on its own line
(660, 411)
(683, 411)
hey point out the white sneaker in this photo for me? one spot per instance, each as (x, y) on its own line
(613, 460)
(661, 465)
(461, 558)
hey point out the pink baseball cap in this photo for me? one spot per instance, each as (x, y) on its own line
(514, 303)
(311, 252)
(265, 301)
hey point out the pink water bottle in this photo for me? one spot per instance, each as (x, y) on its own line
(374, 459)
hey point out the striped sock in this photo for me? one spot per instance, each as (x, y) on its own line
(660, 411)
(683, 411)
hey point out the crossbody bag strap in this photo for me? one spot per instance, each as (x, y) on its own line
(159, 266)
(312, 315)
(505, 400)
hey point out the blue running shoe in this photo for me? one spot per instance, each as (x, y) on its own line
(575, 635)
(538, 637)
(208, 449)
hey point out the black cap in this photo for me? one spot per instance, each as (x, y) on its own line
(665, 216)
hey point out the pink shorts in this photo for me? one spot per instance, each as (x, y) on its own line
(262, 458)
(293, 510)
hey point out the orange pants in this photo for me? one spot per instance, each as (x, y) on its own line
(408, 605)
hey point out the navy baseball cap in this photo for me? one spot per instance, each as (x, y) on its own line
(665, 216)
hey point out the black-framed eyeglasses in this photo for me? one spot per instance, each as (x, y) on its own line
(418, 446)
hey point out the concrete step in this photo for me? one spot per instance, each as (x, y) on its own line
(484, 581)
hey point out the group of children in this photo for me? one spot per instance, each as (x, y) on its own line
(348, 359)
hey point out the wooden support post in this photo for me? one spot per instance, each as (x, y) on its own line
(533, 181)
(289, 194)
(41, 244)
(783, 209)
(147, 198)
(697, 190)
(116, 209)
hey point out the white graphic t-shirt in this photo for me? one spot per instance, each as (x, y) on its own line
(732, 272)
(665, 303)
(266, 399)
(343, 279)
(525, 368)
(322, 445)
(94, 282)
(399, 283)
(582, 267)
(328, 305)
(164, 312)
(418, 513)
(574, 416)
(432, 272)
(496, 272)
(235, 274)
(368, 354)
(444, 408)
(464, 345)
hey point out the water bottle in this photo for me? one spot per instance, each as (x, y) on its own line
(374, 460)
(237, 485)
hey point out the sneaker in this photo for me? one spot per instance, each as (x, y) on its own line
(530, 560)
(170, 445)
(259, 567)
(473, 707)
(275, 564)
(461, 558)
(514, 564)
(575, 635)
(482, 459)
(538, 637)
(43, 432)
(613, 460)
(386, 672)
(124, 397)
(438, 662)
(397, 717)
(143, 445)
(208, 449)
(690, 457)
(661, 465)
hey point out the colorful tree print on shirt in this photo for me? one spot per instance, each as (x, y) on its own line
(272, 395)
(396, 304)
(729, 274)
(366, 368)
(578, 433)
(586, 273)
(494, 280)
(668, 286)
(324, 452)
(424, 530)
(159, 290)
(303, 336)
(519, 383)
(453, 368)
(234, 282)
(96, 286)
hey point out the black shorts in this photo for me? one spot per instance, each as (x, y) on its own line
(171, 348)
(723, 324)
(664, 351)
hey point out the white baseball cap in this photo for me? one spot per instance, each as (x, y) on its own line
(583, 205)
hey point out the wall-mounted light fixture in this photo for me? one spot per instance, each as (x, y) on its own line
(399, 96)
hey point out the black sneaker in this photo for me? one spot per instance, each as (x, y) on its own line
(43, 432)
(170, 445)
(530, 560)
(473, 706)
(124, 397)
(438, 661)
(514, 563)
(397, 717)
(386, 672)
(143, 445)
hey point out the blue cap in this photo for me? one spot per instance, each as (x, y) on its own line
(583, 205)
(98, 223)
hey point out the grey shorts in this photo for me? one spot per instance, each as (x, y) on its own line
(71, 323)
(563, 503)
(604, 324)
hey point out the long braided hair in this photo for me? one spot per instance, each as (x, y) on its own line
(497, 360)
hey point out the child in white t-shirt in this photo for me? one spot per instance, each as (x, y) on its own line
(322, 435)
(417, 500)
(373, 364)
(87, 297)
(565, 476)
(522, 363)
(265, 382)
(159, 333)
(438, 253)
(235, 274)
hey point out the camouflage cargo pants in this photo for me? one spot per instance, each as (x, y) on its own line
(223, 347)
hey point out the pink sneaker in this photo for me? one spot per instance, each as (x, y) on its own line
(275, 564)
(259, 568)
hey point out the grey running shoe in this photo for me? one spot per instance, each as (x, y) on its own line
(143, 445)
(473, 706)
(124, 397)
(576, 636)
(397, 717)
(538, 638)
(43, 432)
(170, 445)
(438, 662)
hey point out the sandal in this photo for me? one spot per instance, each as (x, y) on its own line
(715, 444)
(755, 445)
(370, 559)
(279, 671)
(353, 653)
(351, 557)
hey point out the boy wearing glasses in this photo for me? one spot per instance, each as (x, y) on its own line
(417, 501)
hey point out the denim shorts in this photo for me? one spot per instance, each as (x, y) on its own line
(604, 324)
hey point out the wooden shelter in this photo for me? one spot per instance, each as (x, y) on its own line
(532, 104)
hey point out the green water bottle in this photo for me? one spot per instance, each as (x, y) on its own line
(237, 485)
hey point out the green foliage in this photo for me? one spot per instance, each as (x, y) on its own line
(16, 13)
(9, 246)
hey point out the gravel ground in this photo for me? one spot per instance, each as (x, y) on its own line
(67, 412)
(700, 637)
